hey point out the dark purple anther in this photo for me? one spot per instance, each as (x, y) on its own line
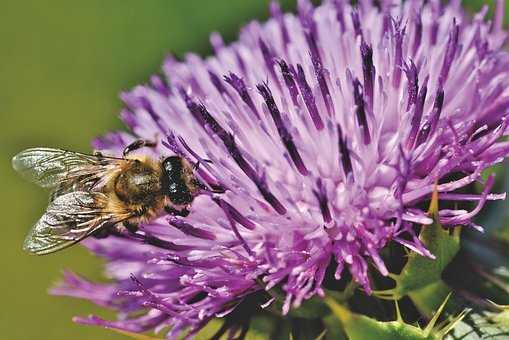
(433, 33)
(321, 196)
(344, 153)
(145, 103)
(416, 118)
(240, 62)
(233, 150)
(340, 15)
(306, 11)
(289, 81)
(216, 81)
(235, 214)
(309, 27)
(269, 59)
(171, 143)
(450, 53)
(283, 132)
(322, 82)
(238, 84)
(185, 262)
(210, 121)
(235, 230)
(309, 98)
(202, 115)
(360, 111)
(430, 125)
(192, 107)
(260, 183)
(417, 32)
(356, 22)
(190, 230)
(481, 45)
(160, 86)
(369, 72)
(275, 11)
(437, 11)
(412, 83)
(397, 36)
(217, 187)
(386, 23)
(155, 241)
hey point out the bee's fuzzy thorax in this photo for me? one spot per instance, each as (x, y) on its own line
(139, 212)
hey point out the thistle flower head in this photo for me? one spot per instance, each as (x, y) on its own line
(325, 129)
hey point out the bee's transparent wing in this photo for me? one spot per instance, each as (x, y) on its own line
(52, 168)
(69, 219)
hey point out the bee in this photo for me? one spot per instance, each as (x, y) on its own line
(96, 194)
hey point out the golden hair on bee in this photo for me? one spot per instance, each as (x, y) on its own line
(136, 188)
(96, 194)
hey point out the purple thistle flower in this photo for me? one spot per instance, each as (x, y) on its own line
(325, 130)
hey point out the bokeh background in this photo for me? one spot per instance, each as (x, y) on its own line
(62, 66)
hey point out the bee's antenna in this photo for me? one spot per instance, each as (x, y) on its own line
(138, 144)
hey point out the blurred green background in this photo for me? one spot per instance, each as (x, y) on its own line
(62, 66)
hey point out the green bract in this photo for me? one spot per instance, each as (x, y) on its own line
(421, 277)
(360, 327)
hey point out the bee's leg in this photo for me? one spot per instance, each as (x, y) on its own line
(170, 210)
(138, 144)
(131, 227)
(102, 233)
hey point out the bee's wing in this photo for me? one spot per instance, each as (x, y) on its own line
(51, 168)
(69, 219)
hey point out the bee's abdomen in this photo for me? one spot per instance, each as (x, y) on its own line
(174, 182)
(139, 184)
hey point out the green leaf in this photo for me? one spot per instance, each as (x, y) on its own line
(264, 323)
(254, 335)
(502, 235)
(321, 336)
(420, 278)
(361, 327)
(210, 329)
(334, 328)
(306, 328)
(429, 297)
(310, 309)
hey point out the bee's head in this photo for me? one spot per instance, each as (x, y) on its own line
(178, 182)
